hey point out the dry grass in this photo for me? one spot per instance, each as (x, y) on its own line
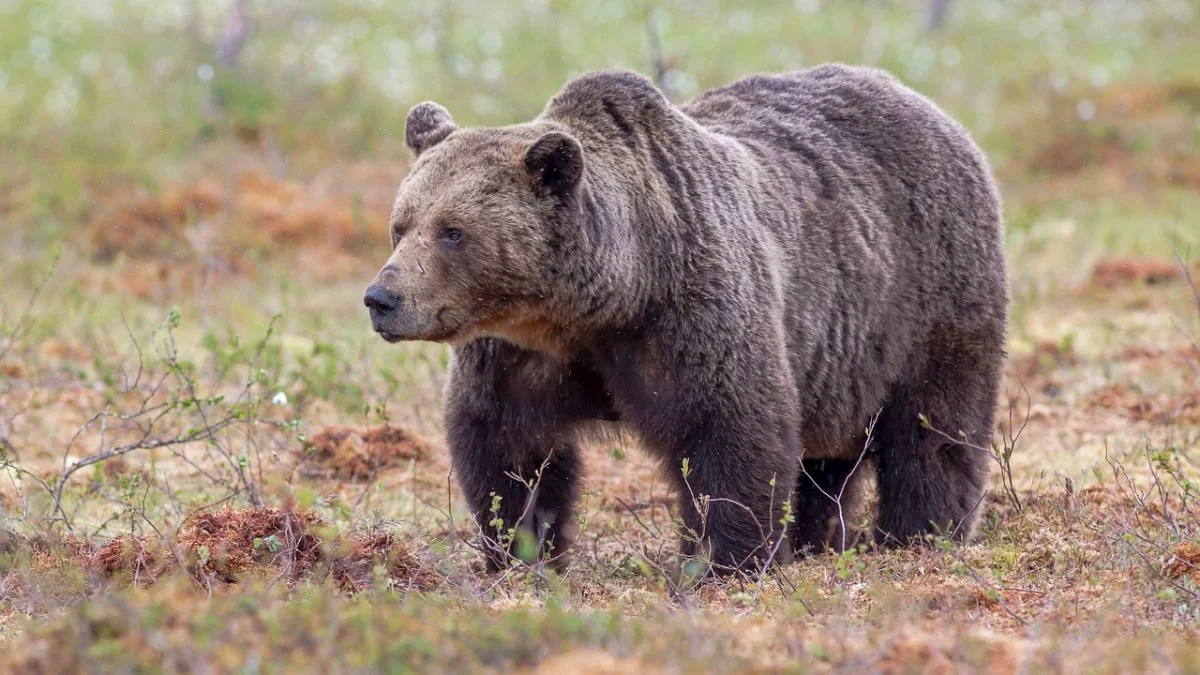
(229, 547)
(1110, 149)
(1117, 272)
(1101, 551)
(322, 531)
(256, 212)
(188, 236)
(346, 453)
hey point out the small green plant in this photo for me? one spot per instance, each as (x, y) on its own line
(271, 543)
(850, 564)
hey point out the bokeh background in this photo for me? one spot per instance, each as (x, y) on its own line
(1086, 108)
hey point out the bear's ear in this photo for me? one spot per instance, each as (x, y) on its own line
(555, 163)
(428, 124)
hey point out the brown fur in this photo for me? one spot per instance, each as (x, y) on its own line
(743, 281)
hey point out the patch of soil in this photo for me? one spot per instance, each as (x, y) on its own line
(1141, 136)
(227, 546)
(1165, 409)
(116, 468)
(133, 223)
(182, 202)
(13, 370)
(354, 454)
(930, 650)
(1075, 152)
(1126, 271)
(353, 570)
(284, 212)
(1147, 99)
(1185, 562)
(904, 651)
(10, 542)
(1185, 354)
(1116, 156)
(59, 351)
(590, 662)
(1110, 503)
(1140, 353)
(1035, 369)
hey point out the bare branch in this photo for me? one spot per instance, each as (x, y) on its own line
(994, 593)
(837, 499)
(935, 14)
(656, 55)
(22, 321)
(233, 37)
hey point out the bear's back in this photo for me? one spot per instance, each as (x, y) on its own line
(852, 148)
(889, 219)
(857, 120)
(831, 98)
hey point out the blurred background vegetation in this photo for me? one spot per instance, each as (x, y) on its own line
(112, 99)
(238, 158)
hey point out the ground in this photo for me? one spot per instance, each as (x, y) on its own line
(210, 463)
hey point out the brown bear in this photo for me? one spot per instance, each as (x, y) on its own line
(746, 282)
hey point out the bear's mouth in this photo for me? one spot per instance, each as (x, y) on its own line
(436, 336)
(390, 337)
(435, 330)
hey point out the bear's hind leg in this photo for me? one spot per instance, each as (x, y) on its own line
(826, 500)
(932, 480)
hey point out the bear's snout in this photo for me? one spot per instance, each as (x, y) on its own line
(383, 305)
(380, 301)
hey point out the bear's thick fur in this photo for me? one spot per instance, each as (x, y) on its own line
(745, 282)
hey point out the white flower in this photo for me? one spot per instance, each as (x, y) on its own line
(280, 399)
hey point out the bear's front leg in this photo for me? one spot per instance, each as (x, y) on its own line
(521, 493)
(511, 419)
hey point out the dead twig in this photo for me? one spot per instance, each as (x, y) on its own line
(656, 54)
(233, 37)
(837, 499)
(22, 322)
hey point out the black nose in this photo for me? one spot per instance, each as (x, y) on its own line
(380, 300)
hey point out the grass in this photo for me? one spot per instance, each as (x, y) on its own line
(211, 464)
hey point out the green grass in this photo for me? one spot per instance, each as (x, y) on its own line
(128, 92)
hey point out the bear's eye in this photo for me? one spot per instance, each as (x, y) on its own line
(451, 235)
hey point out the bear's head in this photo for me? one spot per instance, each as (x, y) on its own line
(479, 226)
